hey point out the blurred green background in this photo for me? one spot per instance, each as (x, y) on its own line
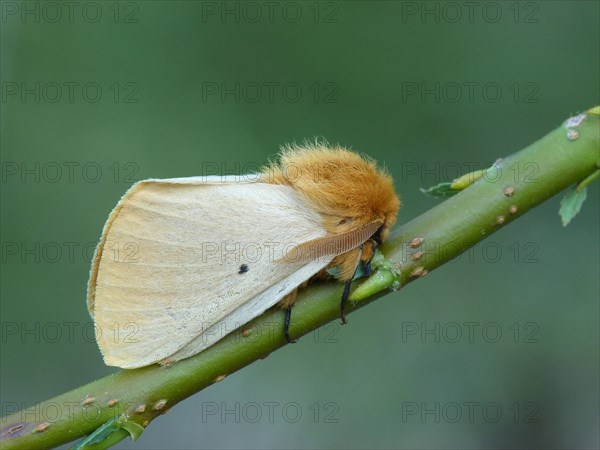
(98, 95)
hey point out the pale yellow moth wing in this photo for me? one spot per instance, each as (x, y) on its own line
(167, 279)
(314, 253)
(335, 244)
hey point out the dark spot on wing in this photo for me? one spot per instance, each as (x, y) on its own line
(243, 269)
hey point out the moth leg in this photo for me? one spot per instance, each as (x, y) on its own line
(367, 256)
(346, 292)
(286, 327)
(345, 295)
(368, 269)
(286, 303)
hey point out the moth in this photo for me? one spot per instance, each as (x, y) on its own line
(184, 261)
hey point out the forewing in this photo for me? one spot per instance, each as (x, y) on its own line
(181, 255)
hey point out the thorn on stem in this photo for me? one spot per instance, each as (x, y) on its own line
(42, 427)
(415, 242)
(573, 135)
(159, 405)
(418, 271)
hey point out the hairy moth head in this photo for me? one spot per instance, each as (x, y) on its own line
(348, 190)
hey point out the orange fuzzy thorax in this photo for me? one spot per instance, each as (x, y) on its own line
(348, 190)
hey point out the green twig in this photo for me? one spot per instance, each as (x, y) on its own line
(512, 187)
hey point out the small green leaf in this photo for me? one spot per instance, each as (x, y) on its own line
(595, 111)
(571, 203)
(100, 434)
(445, 190)
(467, 180)
(106, 430)
(442, 190)
(135, 429)
(385, 276)
(377, 259)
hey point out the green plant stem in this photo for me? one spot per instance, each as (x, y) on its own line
(514, 186)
